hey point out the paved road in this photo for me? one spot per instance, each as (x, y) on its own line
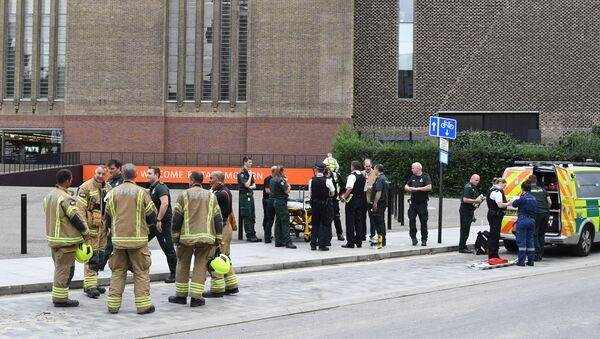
(10, 219)
(428, 296)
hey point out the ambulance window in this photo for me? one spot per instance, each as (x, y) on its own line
(588, 184)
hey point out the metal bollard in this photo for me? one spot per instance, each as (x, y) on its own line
(23, 223)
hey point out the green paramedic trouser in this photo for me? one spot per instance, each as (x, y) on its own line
(282, 223)
(247, 213)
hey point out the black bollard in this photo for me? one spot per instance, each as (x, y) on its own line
(240, 223)
(23, 223)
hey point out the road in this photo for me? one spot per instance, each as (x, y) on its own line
(427, 296)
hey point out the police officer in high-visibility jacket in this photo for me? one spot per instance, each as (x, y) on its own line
(129, 212)
(90, 200)
(197, 229)
(227, 284)
(65, 229)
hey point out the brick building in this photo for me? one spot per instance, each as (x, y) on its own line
(278, 77)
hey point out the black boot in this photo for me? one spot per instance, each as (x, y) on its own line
(151, 309)
(197, 302)
(213, 294)
(178, 300)
(68, 303)
(232, 291)
(170, 279)
(102, 290)
(92, 293)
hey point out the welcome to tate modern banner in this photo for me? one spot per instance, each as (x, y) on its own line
(180, 174)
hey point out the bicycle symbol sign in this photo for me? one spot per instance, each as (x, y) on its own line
(442, 127)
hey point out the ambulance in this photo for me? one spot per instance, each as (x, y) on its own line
(574, 189)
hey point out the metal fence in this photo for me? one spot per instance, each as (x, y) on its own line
(32, 162)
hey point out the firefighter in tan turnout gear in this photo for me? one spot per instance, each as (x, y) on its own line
(129, 211)
(90, 200)
(197, 228)
(65, 229)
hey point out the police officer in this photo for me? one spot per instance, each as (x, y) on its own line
(246, 184)
(159, 192)
(496, 203)
(419, 186)
(197, 229)
(541, 215)
(379, 197)
(65, 229)
(466, 211)
(356, 203)
(268, 210)
(280, 191)
(525, 225)
(116, 179)
(129, 212)
(90, 201)
(339, 184)
(228, 284)
(321, 189)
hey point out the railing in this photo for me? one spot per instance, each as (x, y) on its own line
(201, 159)
(32, 162)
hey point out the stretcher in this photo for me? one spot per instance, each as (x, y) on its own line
(300, 217)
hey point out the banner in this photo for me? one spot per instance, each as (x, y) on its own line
(180, 174)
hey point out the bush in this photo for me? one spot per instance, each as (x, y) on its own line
(486, 153)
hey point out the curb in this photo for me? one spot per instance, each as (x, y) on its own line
(78, 284)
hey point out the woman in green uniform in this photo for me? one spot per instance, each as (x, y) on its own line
(279, 195)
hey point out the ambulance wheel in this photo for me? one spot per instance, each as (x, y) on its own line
(584, 246)
(510, 245)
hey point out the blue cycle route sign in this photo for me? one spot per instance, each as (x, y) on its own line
(442, 127)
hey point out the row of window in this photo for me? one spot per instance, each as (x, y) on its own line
(405, 48)
(211, 36)
(22, 48)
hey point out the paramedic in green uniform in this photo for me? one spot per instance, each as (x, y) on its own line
(246, 185)
(279, 196)
(541, 216)
(466, 211)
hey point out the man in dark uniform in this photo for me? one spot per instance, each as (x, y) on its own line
(247, 212)
(116, 179)
(379, 197)
(159, 192)
(541, 216)
(419, 186)
(466, 211)
(356, 203)
(321, 189)
(268, 210)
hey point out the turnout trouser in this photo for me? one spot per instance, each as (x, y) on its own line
(64, 268)
(419, 210)
(140, 260)
(165, 240)
(466, 219)
(541, 225)
(202, 254)
(248, 213)
(218, 282)
(91, 268)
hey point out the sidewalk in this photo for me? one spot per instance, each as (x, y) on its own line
(35, 274)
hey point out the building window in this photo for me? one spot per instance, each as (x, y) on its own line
(405, 48)
(61, 49)
(243, 51)
(208, 50)
(27, 49)
(190, 50)
(44, 48)
(30, 145)
(11, 46)
(173, 47)
(225, 63)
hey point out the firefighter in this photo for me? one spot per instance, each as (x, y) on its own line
(90, 201)
(227, 284)
(197, 229)
(65, 229)
(129, 212)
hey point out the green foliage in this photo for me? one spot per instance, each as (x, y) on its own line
(486, 153)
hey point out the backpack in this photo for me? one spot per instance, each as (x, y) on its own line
(481, 243)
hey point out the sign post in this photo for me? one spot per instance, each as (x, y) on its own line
(444, 129)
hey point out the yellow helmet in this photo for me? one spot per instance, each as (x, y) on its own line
(83, 253)
(221, 264)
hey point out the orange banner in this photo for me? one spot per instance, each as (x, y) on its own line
(179, 175)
